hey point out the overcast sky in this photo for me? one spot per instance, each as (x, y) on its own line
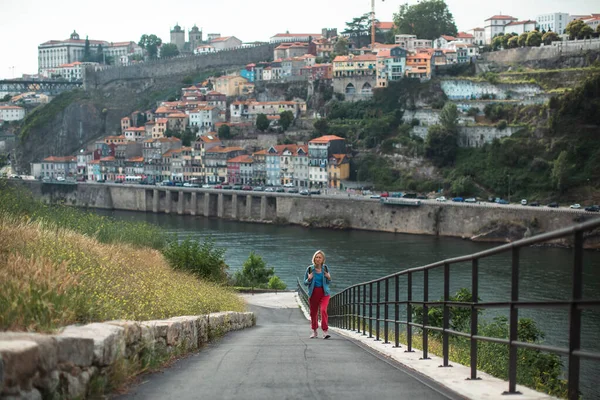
(25, 24)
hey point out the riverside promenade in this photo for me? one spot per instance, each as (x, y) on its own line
(277, 360)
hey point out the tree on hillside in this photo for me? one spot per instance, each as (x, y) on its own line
(561, 171)
(534, 39)
(506, 38)
(441, 146)
(150, 43)
(449, 117)
(358, 29)
(586, 32)
(285, 119)
(497, 42)
(428, 19)
(513, 42)
(224, 132)
(598, 29)
(262, 122)
(341, 47)
(523, 39)
(87, 54)
(550, 37)
(574, 28)
(321, 126)
(169, 50)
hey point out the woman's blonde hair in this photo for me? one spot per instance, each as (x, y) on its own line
(317, 252)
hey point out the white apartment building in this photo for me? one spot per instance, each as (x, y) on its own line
(12, 113)
(71, 72)
(479, 36)
(520, 27)
(555, 22)
(495, 26)
(411, 43)
(204, 118)
(294, 37)
(135, 134)
(55, 53)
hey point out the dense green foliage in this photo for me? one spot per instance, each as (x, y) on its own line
(428, 19)
(169, 50)
(535, 369)
(286, 118)
(262, 122)
(150, 43)
(224, 132)
(203, 260)
(256, 274)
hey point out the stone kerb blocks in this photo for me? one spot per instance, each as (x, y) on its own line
(63, 365)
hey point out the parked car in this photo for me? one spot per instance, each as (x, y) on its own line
(471, 200)
(458, 199)
(396, 194)
(101, 180)
(280, 190)
(501, 201)
(59, 179)
(553, 205)
(259, 189)
(180, 184)
(315, 191)
(441, 199)
(524, 202)
(292, 190)
(226, 187)
(269, 189)
(385, 194)
(246, 187)
(304, 192)
(421, 197)
(593, 208)
(374, 196)
(575, 206)
(237, 187)
(207, 186)
(534, 204)
(218, 187)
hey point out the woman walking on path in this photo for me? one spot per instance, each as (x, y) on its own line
(317, 278)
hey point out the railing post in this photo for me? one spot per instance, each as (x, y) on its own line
(397, 312)
(364, 313)
(514, 323)
(345, 308)
(425, 314)
(385, 311)
(575, 317)
(371, 309)
(446, 317)
(474, 314)
(377, 310)
(409, 313)
(354, 308)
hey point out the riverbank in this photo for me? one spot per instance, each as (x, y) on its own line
(480, 222)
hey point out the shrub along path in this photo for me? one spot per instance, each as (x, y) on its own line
(277, 360)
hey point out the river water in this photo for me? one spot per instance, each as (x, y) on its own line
(358, 256)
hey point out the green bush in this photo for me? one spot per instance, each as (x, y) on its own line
(276, 283)
(204, 261)
(254, 273)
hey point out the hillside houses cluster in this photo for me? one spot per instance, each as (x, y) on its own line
(322, 162)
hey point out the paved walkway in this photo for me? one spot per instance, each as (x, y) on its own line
(276, 360)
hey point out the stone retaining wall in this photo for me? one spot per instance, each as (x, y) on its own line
(81, 359)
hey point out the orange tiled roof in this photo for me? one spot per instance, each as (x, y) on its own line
(384, 25)
(501, 17)
(244, 158)
(326, 139)
(60, 159)
(224, 149)
(136, 159)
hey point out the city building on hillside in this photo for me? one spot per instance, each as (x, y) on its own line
(204, 118)
(593, 22)
(122, 52)
(59, 167)
(71, 72)
(225, 42)
(355, 76)
(384, 26)
(292, 67)
(465, 37)
(411, 43)
(125, 123)
(240, 171)
(204, 49)
(520, 27)
(83, 158)
(479, 36)
(442, 41)
(292, 49)
(178, 37)
(555, 22)
(134, 166)
(259, 167)
(294, 37)
(115, 139)
(317, 71)
(324, 46)
(229, 85)
(249, 72)
(320, 150)
(215, 162)
(216, 99)
(93, 170)
(159, 128)
(12, 113)
(152, 151)
(249, 109)
(391, 65)
(495, 26)
(338, 170)
(135, 134)
(177, 122)
(212, 36)
(54, 53)
(418, 66)
(195, 37)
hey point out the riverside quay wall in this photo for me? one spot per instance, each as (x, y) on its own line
(475, 221)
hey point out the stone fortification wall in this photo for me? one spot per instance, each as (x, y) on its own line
(557, 49)
(473, 136)
(157, 69)
(69, 364)
(429, 116)
(363, 86)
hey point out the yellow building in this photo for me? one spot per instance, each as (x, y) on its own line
(338, 169)
(351, 65)
(230, 85)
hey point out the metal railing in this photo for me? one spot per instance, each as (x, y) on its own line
(354, 307)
